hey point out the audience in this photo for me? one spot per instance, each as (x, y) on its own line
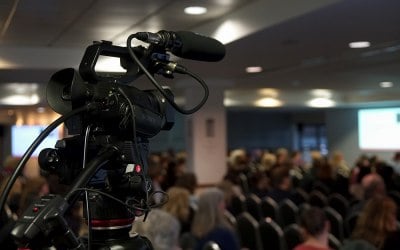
(281, 184)
(188, 181)
(268, 160)
(315, 227)
(157, 174)
(161, 228)
(175, 167)
(210, 224)
(238, 168)
(200, 213)
(372, 185)
(395, 162)
(339, 164)
(376, 225)
(179, 207)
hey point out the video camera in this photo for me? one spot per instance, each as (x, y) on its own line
(103, 160)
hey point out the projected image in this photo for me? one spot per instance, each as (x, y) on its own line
(379, 129)
(23, 136)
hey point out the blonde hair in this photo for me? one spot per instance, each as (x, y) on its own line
(209, 214)
(376, 221)
(268, 160)
(178, 203)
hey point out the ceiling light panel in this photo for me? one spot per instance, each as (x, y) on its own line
(386, 84)
(254, 69)
(195, 10)
(268, 102)
(359, 44)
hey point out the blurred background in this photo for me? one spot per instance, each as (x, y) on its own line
(295, 74)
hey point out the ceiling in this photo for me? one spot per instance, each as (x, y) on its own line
(301, 45)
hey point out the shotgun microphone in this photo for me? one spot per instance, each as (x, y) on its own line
(186, 44)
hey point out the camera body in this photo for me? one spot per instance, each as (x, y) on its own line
(123, 120)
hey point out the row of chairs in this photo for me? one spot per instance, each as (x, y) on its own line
(287, 212)
(267, 234)
(262, 207)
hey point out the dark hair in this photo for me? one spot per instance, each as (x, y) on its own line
(278, 175)
(313, 220)
(187, 180)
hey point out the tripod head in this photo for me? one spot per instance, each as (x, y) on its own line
(104, 158)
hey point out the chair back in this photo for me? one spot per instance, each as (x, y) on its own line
(248, 231)
(272, 236)
(336, 221)
(269, 208)
(288, 213)
(253, 206)
(318, 199)
(293, 236)
(300, 196)
(238, 205)
(350, 223)
(230, 218)
(334, 243)
(339, 203)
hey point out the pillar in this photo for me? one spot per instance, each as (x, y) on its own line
(206, 139)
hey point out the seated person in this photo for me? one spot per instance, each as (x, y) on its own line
(281, 184)
(210, 224)
(376, 225)
(161, 228)
(315, 227)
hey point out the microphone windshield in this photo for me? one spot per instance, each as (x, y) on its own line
(198, 47)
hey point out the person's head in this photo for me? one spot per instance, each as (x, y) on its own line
(237, 160)
(229, 190)
(296, 158)
(161, 228)
(210, 212)
(373, 185)
(268, 160)
(187, 180)
(337, 157)
(324, 171)
(314, 222)
(282, 156)
(396, 157)
(178, 203)
(376, 220)
(155, 169)
(181, 159)
(280, 178)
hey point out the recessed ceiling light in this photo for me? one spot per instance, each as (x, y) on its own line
(359, 44)
(230, 102)
(254, 69)
(20, 100)
(268, 102)
(386, 84)
(321, 102)
(195, 10)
